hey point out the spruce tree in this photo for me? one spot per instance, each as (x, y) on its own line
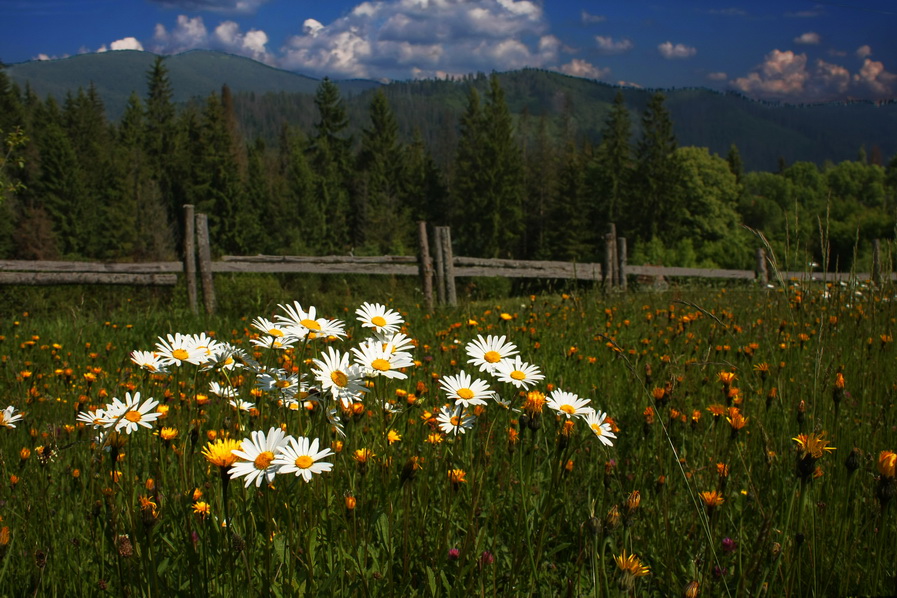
(329, 158)
(162, 144)
(611, 171)
(653, 205)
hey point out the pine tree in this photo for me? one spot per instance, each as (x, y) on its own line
(655, 171)
(329, 157)
(162, 144)
(736, 165)
(611, 171)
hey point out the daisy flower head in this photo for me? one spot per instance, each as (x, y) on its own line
(455, 420)
(337, 376)
(305, 325)
(400, 342)
(377, 360)
(8, 417)
(135, 415)
(465, 391)
(378, 317)
(227, 392)
(599, 427)
(203, 343)
(149, 361)
(279, 381)
(517, 372)
(568, 404)
(96, 418)
(486, 353)
(178, 349)
(258, 453)
(225, 356)
(241, 405)
(303, 457)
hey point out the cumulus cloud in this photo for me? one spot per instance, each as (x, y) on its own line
(418, 38)
(584, 69)
(788, 76)
(864, 51)
(226, 6)
(191, 33)
(607, 45)
(810, 38)
(671, 51)
(590, 18)
(717, 76)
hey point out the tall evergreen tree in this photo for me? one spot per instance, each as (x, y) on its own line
(656, 174)
(611, 172)
(162, 143)
(329, 157)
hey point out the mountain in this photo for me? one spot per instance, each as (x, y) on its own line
(192, 74)
(542, 102)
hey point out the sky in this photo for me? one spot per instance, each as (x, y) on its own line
(786, 50)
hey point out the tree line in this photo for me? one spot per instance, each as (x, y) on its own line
(82, 187)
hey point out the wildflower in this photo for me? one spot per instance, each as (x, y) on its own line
(534, 402)
(517, 372)
(486, 353)
(377, 360)
(202, 509)
(457, 476)
(338, 377)
(227, 392)
(350, 503)
(378, 317)
(726, 378)
(691, 590)
(454, 554)
(599, 427)
(392, 436)
(464, 390)
(131, 415)
(303, 324)
(221, 452)
(303, 458)
(177, 350)
(456, 421)
(241, 405)
(568, 404)
(363, 455)
(736, 420)
(633, 501)
(887, 462)
(631, 568)
(168, 434)
(434, 438)
(149, 361)
(8, 416)
(729, 545)
(712, 499)
(258, 453)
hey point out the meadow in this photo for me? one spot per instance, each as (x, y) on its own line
(717, 442)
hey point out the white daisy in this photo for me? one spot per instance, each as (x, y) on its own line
(177, 349)
(226, 392)
(568, 404)
(486, 353)
(517, 372)
(338, 377)
(279, 381)
(378, 360)
(241, 405)
(8, 416)
(134, 415)
(454, 420)
(399, 341)
(258, 453)
(203, 343)
(599, 427)
(304, 323)
(302, 458)
(149, 361)
(465, 391)
(378, 317)
(96, 418)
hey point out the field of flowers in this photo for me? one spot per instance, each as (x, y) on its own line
(682, 443)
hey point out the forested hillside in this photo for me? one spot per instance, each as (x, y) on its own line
(322, 176)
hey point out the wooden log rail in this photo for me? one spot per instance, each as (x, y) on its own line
(29, 272)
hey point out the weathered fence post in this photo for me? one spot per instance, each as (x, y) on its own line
(876, 262)
(425, 264)
(760, 268)
(609, 266)
(190, 255)
(621, 262)
(448, 264)
(205, 262)
(440, 267)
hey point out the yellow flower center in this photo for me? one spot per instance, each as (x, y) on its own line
(465, 393)
(263, 460)
(133, 416)
(492, 357)
(311, 324)
(597, 429)
(282, 384)
(304, 462)
(518, 375)
(180, 354)
(455, 421)
(275, 332)
(381, 365)
(339, 378)
(378, 321)
(570, 409)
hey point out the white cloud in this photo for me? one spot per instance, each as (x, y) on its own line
(424, 38)
(671, 51)
(584, 69)
(864, 51)
(187, 35)
(717, 76)
(607, 45)
(787, 76)
(810, 38)
(127, 43)
(191, 33)
(590, 18)
(225, 6)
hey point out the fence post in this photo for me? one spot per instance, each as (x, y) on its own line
(448, 264)
(609, 261)
(440, 267)
(190, 255)
(205, 262)
(876, 262)
(425, 264)
(760, 268)
(621, 262)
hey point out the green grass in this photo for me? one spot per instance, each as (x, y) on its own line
(542, 515)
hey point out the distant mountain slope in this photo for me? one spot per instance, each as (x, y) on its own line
(192, 74)
(543, 102)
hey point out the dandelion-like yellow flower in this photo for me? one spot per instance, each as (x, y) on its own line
(812, 444)
(534, 402)
(712, 499)
(202, 509)
(363, 455)
(631, 566)
(726, 378)
(457, 476)
(887, 463)
(221, 452)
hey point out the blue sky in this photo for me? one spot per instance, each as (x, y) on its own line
(790, 50)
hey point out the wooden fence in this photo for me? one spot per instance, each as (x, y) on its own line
(441, 268)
